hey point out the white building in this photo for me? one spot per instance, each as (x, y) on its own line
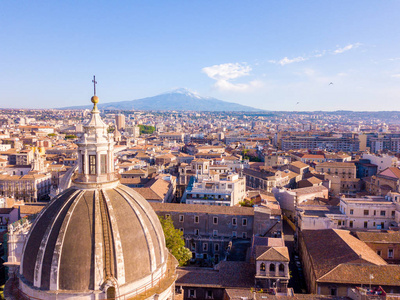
(220, 189)
(382, 161)
(370, 212)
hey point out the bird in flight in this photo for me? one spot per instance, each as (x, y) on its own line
(330, 83)
(297, 103)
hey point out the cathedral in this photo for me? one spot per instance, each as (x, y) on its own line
(98, 239)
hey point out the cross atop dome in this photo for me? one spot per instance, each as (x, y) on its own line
(94, 99)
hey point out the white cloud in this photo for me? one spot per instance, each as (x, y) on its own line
(394, 59)
(285, 60)
(346, 48)
(396, 75)
(225, 73)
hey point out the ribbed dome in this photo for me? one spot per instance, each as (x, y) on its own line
(86, 237)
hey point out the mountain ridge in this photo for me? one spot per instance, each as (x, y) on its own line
(179, 99)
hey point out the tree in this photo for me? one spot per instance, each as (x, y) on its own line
(174, 241)
(146, 129)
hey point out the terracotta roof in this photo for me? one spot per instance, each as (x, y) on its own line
(310, 190)
(5, 211)
(336, 164)
(148, 193)
(391, 172)
(379, 237)
(30, 209)
(272, 253)
(388, 275)
(196, 208)
(227, 274)
(299, 164)
(329, 248)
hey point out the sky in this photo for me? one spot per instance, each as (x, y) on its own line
(273, 55)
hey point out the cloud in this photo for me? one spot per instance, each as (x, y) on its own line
(396, 75)
(394, 59)
(225, 73)
(286, 61)
(314, 54)
(346, 48)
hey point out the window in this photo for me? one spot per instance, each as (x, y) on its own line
(234, 234)
(351, 211)
(281, 267)
(366, 212)
(215, 232)
(209, 295)
(351, 224)
(365, 224)
(215, 220)
(379, 252)
(244, 235)
(390, 253)
(333, 291)
(383, 213)
(244, 222)
(205, 246)
(103, 163)
(196, 232)
(262, 267)
(216, 247)
(193, 246)
(382, 225)
(192, 293)
(393, 213)
(216, 258)
(272, 267)
(92, 164)
(83, 163)
(196, 219)
(339, 223)
(181, 218)
(374, 212)
(234, 221)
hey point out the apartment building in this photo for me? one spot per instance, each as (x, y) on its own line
(207, 230)
(369, 212)
(220, 189)
(266, 179)
(173, 136)
(342, 169)
(347, 144)
(30, 187)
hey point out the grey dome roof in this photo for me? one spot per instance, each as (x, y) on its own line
(84, 237)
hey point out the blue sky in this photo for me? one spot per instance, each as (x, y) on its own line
(266, 54)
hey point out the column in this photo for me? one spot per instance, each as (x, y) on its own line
(98, 164)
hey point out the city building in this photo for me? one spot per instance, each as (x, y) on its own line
(219, 189)
(120, 122)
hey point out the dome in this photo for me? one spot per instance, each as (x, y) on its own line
(98, 239)
(86, 239)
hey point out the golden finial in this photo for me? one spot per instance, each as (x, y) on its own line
(94, 99)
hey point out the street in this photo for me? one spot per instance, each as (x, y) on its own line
(296, 272)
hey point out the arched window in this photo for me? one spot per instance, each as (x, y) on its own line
(272, 268)
(262, 267)
(111, 292)
(281, 267)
